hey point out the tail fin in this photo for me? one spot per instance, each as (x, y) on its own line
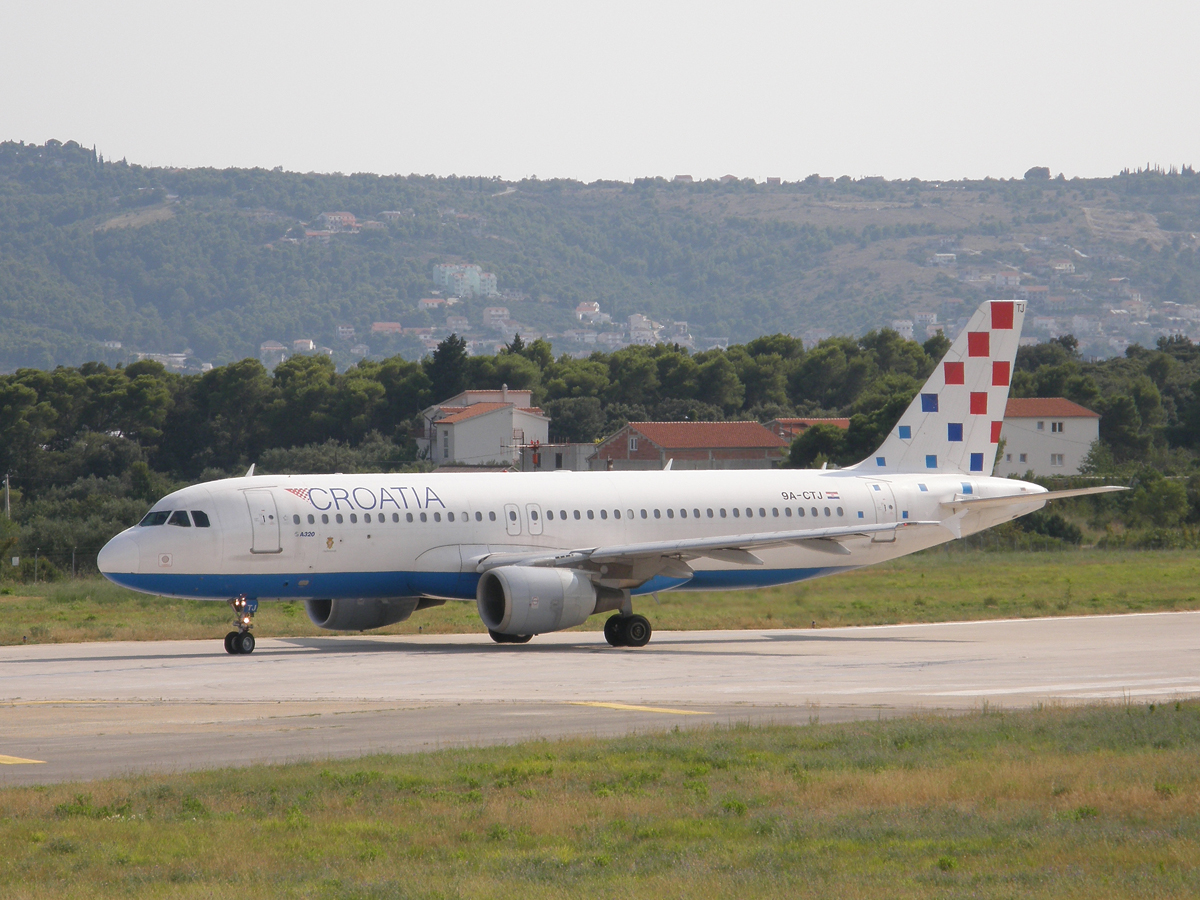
(953, 424)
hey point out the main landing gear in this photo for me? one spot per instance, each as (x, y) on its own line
(509, 638)
(627, 630)
(241, 641)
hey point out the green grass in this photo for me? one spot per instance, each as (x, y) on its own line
(1085, 802)
(929, 587)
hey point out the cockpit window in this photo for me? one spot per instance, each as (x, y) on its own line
(179, 517)
(158, 517)
(201, 518)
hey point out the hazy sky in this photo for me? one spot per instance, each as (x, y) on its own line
(610, 90)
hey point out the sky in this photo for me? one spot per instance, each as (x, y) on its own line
(615, 90)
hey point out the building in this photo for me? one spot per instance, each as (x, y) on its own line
(465, 280)
(272, 353)
(791, 427)
(482, 427)
(304, 345)
(495, 316)
(337, 221)
(345, 332)
(1046, 435)
(387, 328)
(690, 445)
(903, 327)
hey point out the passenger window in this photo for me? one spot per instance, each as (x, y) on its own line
(201, 518)
(657, 514)
(616, 514)
(800, 511)
(576, 514)
(366, 518)
(512, 515)
(466, 517)
(722, 512)
(775, 511)
(353, 518)
(533, 514)
(749, 513)
(787, 511)
(295, 520)
(424, 517)
(478, 517)
(491, 517)
(395, 517)
(814, 510)
(670, 513)
(827, 512)
(437, 517)
(324, 518)
(549, 515)
(683, 514)
(710, 512)
(603, 513)
(629, 513)
(591, 515)
(449, 516)
(156, 518)
(408, 517)
(311, 519)
(644, 514)
(180, 518)
(737, 513)
(338, 518)
(695, 513)
(762, 512)
(839, 511)
(562, 514)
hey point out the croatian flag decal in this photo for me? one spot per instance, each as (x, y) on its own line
(832, 495)
(302, 493)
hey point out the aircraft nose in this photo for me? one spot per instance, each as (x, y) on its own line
(119, 556)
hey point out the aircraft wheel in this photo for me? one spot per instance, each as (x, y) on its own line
(229, 639)
(636, 631)
(521, 638)
(612, 631)
(244, 642)
(500, 638)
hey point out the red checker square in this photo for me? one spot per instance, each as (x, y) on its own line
(955, 373)
(1000, 373)
(978, 343)
(1002, 315)
(979, 403)
(996, 426)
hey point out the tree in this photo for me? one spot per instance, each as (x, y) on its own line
(817, 443)
(447, 368)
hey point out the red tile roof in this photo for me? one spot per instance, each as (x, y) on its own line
(460, 413)
(708, 435)
(1046, 407)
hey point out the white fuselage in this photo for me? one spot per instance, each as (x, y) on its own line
(379, 536)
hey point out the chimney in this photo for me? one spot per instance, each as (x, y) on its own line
(504, 393)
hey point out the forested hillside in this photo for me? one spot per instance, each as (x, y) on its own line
(216, 262)
(89, 448)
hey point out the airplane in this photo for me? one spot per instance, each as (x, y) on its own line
(542, 552)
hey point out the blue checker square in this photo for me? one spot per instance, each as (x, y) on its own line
(976, 462)
(860, 514)
(904, 514)
(906, 432)
(929, 403)
(954, 431)
(930, 463)
(880, 461)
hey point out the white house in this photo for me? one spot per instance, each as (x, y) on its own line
(1046, 435)
(481, 427)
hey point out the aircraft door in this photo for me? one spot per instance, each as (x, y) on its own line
(535, 517)
(885, 509)
(264, 519)
(512, 519)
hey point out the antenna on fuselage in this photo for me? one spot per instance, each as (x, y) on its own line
(667, 467)
(250, 471)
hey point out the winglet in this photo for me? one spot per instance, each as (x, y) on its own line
(667, 467)
(250, 471)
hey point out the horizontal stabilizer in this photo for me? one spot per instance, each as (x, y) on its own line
(1029, 497)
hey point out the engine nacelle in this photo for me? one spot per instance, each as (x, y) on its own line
(533, 600)
(359, 615)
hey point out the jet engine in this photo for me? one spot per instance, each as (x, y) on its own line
(533, 600)
(359, 615)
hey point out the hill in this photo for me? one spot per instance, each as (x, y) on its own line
(209, 264)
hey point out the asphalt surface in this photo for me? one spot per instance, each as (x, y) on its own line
(81, 711)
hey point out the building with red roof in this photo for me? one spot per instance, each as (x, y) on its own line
(476, 428)
(1046, 436)
(691, 445)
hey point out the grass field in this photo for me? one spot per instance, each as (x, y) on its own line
(1084, 802)
(928, 587)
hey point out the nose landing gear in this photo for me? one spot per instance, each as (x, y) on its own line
(241, 641)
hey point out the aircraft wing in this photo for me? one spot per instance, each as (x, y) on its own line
(642, 561)
(1028, 497)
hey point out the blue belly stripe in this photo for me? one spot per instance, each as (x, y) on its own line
(454, 585)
